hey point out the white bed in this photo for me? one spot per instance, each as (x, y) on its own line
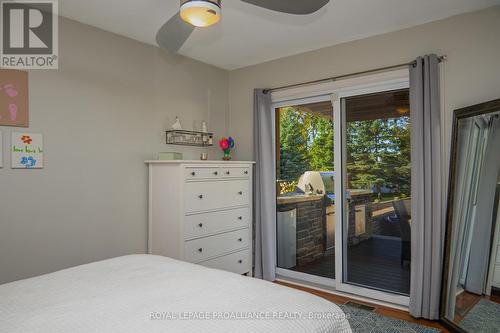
(143, 293)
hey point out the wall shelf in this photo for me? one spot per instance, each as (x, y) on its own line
(190, 138)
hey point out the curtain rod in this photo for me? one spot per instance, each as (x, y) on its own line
(335, 78)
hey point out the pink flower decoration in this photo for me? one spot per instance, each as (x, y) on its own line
(224, 144)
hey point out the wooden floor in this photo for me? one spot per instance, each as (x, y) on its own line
(375, 263)
(466, 301)
(384, 311)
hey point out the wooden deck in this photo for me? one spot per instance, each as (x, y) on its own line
(375, 263)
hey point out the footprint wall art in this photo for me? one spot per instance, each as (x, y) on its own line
(13, 98)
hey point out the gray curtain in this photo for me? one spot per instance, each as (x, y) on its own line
(427, 223)
(483, 226)
(264, 191)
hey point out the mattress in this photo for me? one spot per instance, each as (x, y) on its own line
(145, 293)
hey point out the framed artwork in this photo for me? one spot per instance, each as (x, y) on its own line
(13, 98)
(27, 151)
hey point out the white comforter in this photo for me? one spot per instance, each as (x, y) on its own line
(143, 293)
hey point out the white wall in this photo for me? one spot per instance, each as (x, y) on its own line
(102, 115)
(471, 74)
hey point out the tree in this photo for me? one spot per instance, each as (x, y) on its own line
(321, 151)
(379, 154)
(293, 144)
(378, 151)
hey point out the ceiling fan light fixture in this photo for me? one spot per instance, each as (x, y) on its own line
(201, 13)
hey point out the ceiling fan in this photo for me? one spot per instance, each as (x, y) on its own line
(203, 13)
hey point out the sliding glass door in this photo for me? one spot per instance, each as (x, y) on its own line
(372, 150)
(305, 216)
(343, 179)
(377, 169)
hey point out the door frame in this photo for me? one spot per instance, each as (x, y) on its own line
(341, 183)
(335, 91)
(287, 273)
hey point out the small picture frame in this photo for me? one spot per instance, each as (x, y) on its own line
(27, 151)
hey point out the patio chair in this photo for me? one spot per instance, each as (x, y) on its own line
(400, 207)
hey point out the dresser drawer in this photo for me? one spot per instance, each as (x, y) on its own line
(235, 172)
(239, 262)
(201, 173)
(204, 248)
(209, 223)
(203, 196)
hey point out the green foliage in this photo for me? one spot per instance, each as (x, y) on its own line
(321, 149)
(293, 144)
(287, 187)
(379, 154)
(378, 151)
(306, 143)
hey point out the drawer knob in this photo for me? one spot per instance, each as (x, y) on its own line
(200, 196)
(240, 192)
(200, 225)
(200, 250)
(216, 173)
(240, 239)
(246, 172)
(228, 172)
(193, 173)
(240, 217)
(240, 261)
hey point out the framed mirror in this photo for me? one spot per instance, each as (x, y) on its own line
(470, 299)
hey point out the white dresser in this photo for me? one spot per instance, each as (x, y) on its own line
(201, 212)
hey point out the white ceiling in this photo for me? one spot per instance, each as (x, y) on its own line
(249, 35)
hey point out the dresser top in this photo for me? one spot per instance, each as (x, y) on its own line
(197, 162)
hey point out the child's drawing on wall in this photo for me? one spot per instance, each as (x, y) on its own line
(27, 151)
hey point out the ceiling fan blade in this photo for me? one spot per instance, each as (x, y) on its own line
(174, 33)
(298, 7)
